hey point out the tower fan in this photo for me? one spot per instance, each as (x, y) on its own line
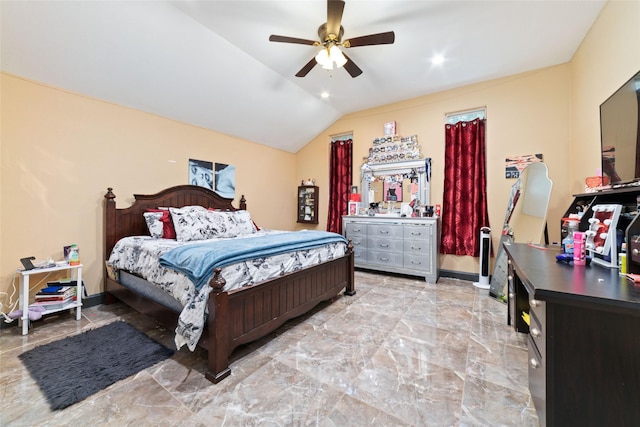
(485, 255)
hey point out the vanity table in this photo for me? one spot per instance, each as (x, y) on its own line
(391, 239)
(583, 337)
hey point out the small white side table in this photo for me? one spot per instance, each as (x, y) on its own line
(76, 273)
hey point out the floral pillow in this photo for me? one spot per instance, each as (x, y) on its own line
(154, 224)
(200, 224)
(168, 231)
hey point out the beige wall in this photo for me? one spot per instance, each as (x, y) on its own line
(526, 114)
(608, 57)
(60, 151)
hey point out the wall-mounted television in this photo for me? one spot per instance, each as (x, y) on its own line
(620, 133)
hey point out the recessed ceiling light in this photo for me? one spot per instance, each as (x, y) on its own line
(437, 59)
(324, 94)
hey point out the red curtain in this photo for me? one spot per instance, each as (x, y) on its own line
(464, 204)
(340, 170)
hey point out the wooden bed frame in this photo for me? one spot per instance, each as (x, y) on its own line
(235, 317)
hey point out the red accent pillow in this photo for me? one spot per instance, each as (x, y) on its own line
(168, 231)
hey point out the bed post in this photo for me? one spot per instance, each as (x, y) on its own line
(109, 239)
(243, 203)
(351, 286)
(218, 323)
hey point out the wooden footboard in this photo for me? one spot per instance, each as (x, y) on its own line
(236, 317)
(246, 314)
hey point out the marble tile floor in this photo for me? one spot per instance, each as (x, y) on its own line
(400, 352)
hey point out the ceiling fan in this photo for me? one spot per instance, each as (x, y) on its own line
(330, 34)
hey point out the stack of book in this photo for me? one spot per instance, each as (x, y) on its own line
(56, 296)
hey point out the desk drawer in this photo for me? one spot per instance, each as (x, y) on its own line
(537, 381)
(537, 332)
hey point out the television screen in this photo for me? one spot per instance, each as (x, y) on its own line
(620, 133)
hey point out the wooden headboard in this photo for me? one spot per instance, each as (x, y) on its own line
(119, 223)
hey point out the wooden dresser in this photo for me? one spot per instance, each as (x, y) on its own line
(584, 338)
(398, 245)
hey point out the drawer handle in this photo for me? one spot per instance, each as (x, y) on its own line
(413, 248)
(383, 232)
(413, 233)
(512, 295)
(416, 262)
(509, 278)
(535, 303)
(634, 252)
(384, 259)
(535, 332)
(534, 363)
(383, 245)
(357, 230)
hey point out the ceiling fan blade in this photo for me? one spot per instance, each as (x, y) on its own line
(351, 67)
(372, 39)
(308, 67)
(285, 39)
(334, 16)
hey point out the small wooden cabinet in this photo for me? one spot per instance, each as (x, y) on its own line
(308, 204)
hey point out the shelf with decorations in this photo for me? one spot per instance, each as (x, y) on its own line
(394, 148)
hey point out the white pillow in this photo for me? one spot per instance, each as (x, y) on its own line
(155, 226)
(200, 224)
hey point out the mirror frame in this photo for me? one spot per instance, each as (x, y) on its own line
(421, 166)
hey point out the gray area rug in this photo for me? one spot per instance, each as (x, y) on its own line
(72, 369)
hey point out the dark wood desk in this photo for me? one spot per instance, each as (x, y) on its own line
(584, 338)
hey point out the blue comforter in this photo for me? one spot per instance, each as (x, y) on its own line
(197, 261)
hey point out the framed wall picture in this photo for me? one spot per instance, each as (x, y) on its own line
(515, 165)
(225, 180)
(201, 173)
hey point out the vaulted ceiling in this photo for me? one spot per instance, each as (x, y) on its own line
(210, 63)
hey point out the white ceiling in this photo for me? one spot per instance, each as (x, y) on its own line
(209, 63)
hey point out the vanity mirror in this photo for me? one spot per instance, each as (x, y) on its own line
(395, 185)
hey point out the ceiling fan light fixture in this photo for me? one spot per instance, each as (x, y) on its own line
(336, 55)
(323, 59)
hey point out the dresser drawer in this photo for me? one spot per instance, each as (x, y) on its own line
(416, 247)
(418, 262)
(384, 230)
(417, 232)
(384, 258)
(384, 244)
(353, 229)
(358, 242)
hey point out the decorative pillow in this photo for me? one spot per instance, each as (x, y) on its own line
(168, 231)
(154, 223)
(200, 224)
(244, 223)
